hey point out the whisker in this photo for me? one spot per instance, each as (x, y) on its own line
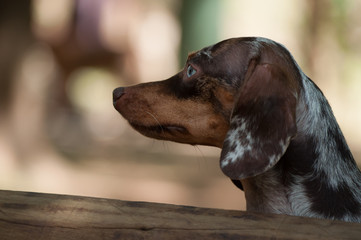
(166, 146)
(161, 127)
(201, 158)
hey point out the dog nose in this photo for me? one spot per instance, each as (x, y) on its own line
(117, 93)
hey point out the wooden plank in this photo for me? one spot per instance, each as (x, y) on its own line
(25, 215)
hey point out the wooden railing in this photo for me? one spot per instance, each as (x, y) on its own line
(35, 216)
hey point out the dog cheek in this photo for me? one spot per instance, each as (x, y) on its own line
(225, 100)
(213, 124)
(217, 128)
(218, 125)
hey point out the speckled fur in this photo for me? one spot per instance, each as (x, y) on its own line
(276, 129)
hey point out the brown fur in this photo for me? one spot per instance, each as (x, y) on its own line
(276, 130)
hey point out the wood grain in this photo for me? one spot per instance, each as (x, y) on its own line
(25, 215)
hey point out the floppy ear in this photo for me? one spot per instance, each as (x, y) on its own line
(262, 123)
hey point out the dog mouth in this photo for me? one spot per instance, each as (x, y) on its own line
(160, 129)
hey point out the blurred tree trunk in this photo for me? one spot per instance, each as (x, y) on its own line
(15, 38)
(199, 20)
(314, 22)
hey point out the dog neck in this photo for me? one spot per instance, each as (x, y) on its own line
(317, 176)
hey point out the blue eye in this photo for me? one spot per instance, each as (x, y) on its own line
(191, 71)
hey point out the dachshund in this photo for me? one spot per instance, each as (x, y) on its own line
(280, 141)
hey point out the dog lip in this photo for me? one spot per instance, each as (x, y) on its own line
(176, 129)
(163, 128)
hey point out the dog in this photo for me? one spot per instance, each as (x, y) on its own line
(280, 141)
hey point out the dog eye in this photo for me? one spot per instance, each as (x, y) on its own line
(191, 71)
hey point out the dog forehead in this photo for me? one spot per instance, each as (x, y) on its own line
(218, 48)
(206, 52)
(213, 50)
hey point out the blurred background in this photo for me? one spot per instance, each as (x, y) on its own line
(61, 59)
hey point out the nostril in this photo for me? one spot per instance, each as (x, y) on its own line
(117, 93)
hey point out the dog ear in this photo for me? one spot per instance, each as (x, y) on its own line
(262, 123)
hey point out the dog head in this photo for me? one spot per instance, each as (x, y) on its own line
(239, 95)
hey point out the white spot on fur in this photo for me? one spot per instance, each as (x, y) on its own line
(206, 51)
(208, 54)
(241, 142)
